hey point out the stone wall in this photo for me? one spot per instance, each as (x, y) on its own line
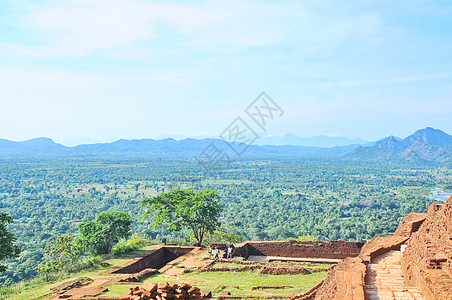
(345, 282)
(411, 224)
(331, 249)
(427, 258)
(155, 259)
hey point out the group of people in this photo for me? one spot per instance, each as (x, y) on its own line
(217, 252)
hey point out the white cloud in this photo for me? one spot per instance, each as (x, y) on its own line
(74, 28)
(120, 27)
(85, 26)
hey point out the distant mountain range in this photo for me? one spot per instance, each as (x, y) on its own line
(425, 145)
(315, 141)
(192, 147)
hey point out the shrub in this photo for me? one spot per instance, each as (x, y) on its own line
(304, 238)
(135, 242)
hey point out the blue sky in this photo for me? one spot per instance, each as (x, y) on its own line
(146, 69)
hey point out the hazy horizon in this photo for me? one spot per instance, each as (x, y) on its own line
(262, 140)
(89, 140)
(104, 70)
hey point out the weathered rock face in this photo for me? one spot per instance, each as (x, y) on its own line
(427, 259)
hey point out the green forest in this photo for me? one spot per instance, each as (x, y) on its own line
(263, 198)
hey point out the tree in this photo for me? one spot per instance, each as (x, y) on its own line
(109, 227)
(7, 239)
(224, 235)
(64, 251)
(177, 209)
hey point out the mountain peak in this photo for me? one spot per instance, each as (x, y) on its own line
(40, 140)
(429, 135)
(428, 144)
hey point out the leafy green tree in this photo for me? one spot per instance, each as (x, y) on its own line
(224, 235)
(179, 209)
(107, 229)
(64, 251)
(7, 239)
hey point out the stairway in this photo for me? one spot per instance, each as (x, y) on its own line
(384, 280)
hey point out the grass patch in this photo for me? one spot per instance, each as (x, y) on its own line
(271, 264)
(114, 290)
(246, 280)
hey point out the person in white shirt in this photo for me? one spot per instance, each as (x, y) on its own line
(229, 252)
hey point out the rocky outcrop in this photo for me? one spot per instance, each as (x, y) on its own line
(427, 258)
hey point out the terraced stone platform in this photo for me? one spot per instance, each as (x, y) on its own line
(384, 280)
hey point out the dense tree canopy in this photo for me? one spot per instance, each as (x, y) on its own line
(264, 198)
(106, 230)
(7, 247)
(177, 209)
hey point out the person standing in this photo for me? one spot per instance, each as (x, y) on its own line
(217, 253)
(229, 252)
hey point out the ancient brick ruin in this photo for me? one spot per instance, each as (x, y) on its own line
(297, 249)
(413, 263)
(164, 290)
(423, 246)
(155, 259)
(427, 259)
